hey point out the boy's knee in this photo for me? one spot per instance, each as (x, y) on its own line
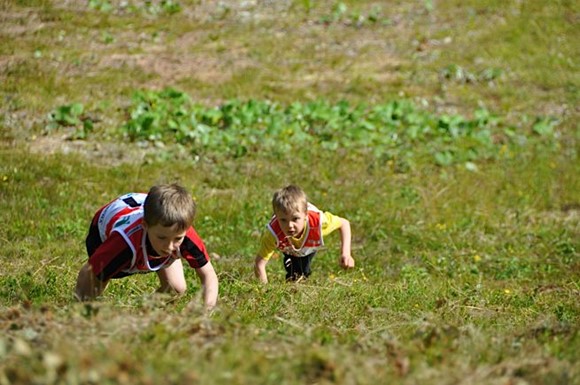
(179, 288)
(88, 286)
(85, 270)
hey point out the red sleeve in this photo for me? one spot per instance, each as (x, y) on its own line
(193, 249)
(110, 257)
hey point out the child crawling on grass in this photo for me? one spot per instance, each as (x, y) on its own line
(297, 230)
(144, 233)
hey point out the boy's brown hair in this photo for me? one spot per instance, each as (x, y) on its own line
(169, 205)
(290, 199)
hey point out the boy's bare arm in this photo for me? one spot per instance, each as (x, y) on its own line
(346, 260)
(210, 285)
(260, 269)
(88, 285)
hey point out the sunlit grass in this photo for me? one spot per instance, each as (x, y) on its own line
(446, 260)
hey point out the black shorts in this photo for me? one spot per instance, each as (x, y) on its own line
(297, 267)
(93, 241)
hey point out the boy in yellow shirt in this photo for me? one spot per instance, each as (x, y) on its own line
(297, 230)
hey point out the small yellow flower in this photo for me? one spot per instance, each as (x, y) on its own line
(4, 178)
(331, 276)
(507, 291)
(416, 305)
(476, 258)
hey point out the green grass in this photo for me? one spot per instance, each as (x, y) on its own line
(467, 270)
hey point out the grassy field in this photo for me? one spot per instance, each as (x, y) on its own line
(445, 131)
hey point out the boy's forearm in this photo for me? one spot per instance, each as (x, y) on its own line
(346, 260)
(260, 269)
(209, 282)
(345, 237)
(210, 293)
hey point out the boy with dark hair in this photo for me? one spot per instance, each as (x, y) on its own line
(143, 233)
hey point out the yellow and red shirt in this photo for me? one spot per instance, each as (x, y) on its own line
(318, 225)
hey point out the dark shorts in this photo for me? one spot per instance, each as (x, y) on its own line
(93, 241)
(297, 267)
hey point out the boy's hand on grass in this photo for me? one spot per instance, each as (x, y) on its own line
(346, 262)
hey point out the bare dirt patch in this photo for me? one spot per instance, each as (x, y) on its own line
(109, 153)
(14, 24)
(170, 68)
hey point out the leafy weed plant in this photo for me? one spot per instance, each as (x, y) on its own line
(394, 132)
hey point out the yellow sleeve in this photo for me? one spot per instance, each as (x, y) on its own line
(330, 223)
(267, 245)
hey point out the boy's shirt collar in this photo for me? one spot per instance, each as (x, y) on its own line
(298, 241)
(150, 250)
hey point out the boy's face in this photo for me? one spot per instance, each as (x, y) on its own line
(292, 223)
(164, 240)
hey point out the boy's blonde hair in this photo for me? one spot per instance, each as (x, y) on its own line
(290, 199)
(169, 205)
